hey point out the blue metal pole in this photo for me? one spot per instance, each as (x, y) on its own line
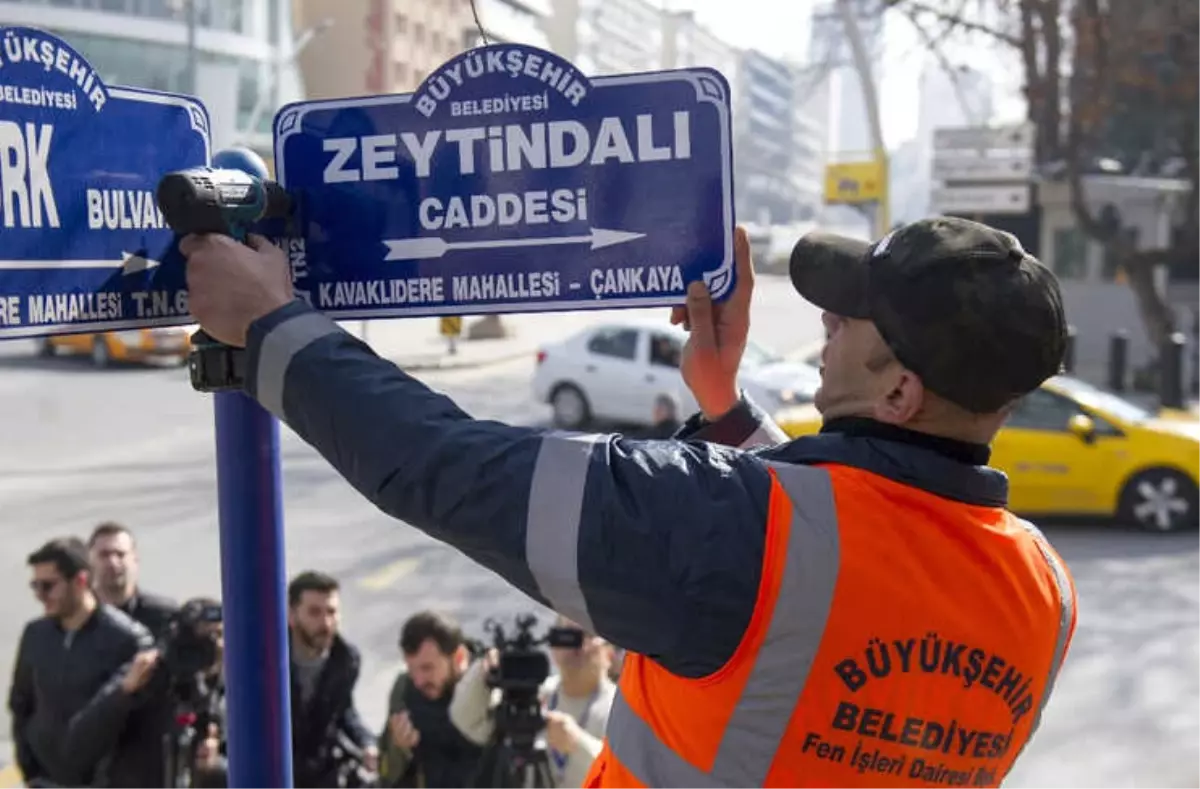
(253, 579)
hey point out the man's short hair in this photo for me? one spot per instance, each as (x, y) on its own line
(310, 581)
(108, 529)
(68, 555)
(421, 627)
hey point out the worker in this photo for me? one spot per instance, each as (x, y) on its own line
(855, 607)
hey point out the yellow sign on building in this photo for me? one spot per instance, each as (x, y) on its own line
(451, 326)
(854, 182)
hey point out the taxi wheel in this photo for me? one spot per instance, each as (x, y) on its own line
(571, 409)
(100, 356)
(45, 348)
(1161, 500)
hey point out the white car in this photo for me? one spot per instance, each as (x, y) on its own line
(614, 372)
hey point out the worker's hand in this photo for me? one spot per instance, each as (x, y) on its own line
(404, 734)
(231, 285)
(140, 670)
(717, 335)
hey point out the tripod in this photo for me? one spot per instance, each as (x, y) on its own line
(178, 745)
(514, 763)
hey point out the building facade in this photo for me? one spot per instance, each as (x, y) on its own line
(959, 99)
(379, 46)
(778, 162)
(687, 44)
(243, 44)
(607, 36)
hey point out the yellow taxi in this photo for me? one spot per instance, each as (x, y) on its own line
(168, 343)
(1070, 448)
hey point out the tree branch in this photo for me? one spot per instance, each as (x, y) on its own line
(935, 46)
(952, 20)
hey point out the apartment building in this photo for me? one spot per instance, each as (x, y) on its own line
(778, 155)
(379, 46)
(607, 36)
(686, 44)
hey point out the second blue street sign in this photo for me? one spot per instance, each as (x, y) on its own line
(509, 182)
(83, 246)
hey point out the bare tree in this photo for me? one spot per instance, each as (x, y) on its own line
(1113, 80)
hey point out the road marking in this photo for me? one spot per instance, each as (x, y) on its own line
(10, 777)
(389, 574)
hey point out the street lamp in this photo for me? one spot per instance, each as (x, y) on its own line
(264, 94)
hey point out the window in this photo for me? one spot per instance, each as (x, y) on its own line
(1070, 253)
(1096, 398)
(665, 351)
(1043, 410)
(619, 343)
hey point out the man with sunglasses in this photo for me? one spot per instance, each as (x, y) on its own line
(64, 728)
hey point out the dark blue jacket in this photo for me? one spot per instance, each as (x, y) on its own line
(657, 545)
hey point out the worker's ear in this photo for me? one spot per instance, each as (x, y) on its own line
(461, 658)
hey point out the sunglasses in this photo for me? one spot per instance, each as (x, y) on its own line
(42, 586)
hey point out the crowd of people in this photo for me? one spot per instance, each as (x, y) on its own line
(114, 686)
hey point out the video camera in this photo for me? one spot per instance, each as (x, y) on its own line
(190, 657)
(519, 673)
(187, 650)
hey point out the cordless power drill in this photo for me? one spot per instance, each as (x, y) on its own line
(230, 202)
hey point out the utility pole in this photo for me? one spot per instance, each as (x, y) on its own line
(862, 65)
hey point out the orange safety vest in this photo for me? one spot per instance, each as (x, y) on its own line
(899, 639)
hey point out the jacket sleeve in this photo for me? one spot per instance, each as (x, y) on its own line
(746, 426)
(471, 704)
(92, 733)
(656, 545)
(20, 706)
(352, 724)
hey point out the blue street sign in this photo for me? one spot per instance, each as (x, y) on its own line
(83, 246)
(510, 182)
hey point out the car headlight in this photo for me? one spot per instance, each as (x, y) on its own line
(133, 337)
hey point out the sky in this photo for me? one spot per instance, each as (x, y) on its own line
(741, 23)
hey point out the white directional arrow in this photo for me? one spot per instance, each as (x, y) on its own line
(130, 263)
(435, 247)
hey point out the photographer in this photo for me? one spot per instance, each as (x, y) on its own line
(576, 702)
(172, 735)
(420, 745)
(193, 690)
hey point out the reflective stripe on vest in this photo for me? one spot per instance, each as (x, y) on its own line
(1066, 623)
(781, 668)
(771, 697)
